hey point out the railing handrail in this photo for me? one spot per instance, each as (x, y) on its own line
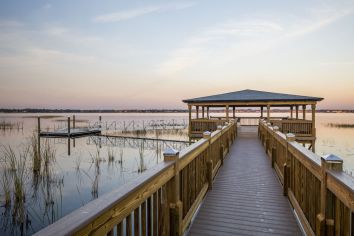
(119, 203)
(87, 214)
(328, 174)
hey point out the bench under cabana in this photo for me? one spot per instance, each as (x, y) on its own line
(303, 128)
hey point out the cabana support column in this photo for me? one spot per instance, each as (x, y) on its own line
(227, 112)
(261, 112)
(268, 113)
(291, 112)
(304, 112)
(297, 111)
(197, 110)
(233, 112)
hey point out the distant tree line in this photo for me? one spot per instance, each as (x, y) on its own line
(35, 110)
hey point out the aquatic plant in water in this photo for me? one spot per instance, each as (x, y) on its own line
(340, 125)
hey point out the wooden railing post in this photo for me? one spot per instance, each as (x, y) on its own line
(274, 149)
(267, 139)
(324, 221)
(207, 136)
(286, 167)
(173, 194)
(221, 150)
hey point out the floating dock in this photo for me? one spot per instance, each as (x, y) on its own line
(74, 132)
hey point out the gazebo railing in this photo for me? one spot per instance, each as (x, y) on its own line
(301, 128)
(198, 126)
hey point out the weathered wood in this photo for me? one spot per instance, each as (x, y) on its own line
(246, 198)
(320, 192)
(143, 219)
(136, 222)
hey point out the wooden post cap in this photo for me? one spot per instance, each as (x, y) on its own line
(170, 154)
(206, 135)
(332, 162)
(276, 128)
(290, 137)
(332, 158)
(170, 151)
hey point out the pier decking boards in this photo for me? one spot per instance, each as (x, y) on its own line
(247, 197)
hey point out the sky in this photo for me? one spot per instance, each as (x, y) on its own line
(86, 54)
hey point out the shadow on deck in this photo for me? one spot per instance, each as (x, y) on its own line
(247, 197)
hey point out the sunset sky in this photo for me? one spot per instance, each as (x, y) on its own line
(152, 54)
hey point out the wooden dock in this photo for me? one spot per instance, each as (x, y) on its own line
(247, 197)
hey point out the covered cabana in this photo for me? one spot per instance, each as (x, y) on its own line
(303, 128)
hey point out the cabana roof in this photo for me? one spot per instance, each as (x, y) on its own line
(252, 96)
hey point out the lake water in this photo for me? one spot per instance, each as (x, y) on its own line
(67, 182)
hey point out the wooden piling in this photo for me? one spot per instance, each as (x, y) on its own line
(74, 128)
(39, 135)
(68, 135)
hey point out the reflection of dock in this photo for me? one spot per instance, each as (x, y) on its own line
(75, 132)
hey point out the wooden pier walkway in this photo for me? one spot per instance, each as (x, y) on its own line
(247, 197)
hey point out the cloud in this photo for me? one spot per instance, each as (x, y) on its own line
(226, 38)
(243, 38)
(337, 63)
(10, 24)
(323, 19)
(134, 13)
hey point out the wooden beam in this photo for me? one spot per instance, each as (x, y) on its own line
(197, 110)
(253, 104)
(233, 112)
(261, 111)
(203, 112)
(208, 112)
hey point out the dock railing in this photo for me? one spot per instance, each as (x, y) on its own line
(321, 193)
(301, 128)
(198, 126)
(162, 201)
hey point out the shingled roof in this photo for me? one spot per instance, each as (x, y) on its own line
(249, 95)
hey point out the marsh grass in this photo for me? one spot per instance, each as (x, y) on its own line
(9, 158)
(6, 183)
(340, 125)
(78, 161)
(36, 157)
(110, 154)
(141, 164)
(8, 125)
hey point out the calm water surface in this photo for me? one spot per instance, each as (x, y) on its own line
(69, 182)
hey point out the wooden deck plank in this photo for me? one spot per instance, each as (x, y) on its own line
(246, 198)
